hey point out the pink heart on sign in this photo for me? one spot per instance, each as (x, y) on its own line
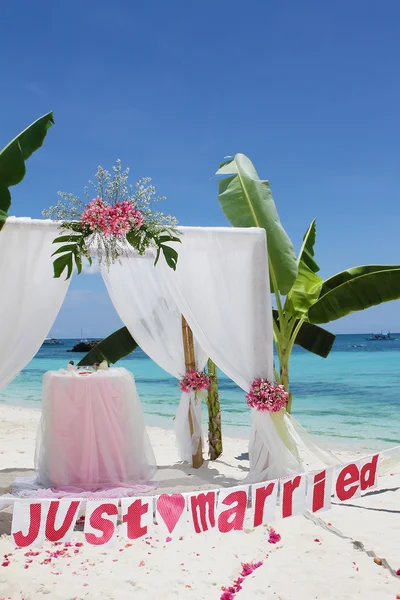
(170, 508)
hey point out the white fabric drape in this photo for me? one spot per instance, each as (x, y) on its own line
(144, 303)
(30, 297)
(221, 285)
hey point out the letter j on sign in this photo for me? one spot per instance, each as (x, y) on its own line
(28, 523)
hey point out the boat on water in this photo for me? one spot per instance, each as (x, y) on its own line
(52, 342)
(380, 337)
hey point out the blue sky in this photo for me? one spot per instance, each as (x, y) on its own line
(310, 91)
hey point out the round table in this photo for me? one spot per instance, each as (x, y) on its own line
(92, 434)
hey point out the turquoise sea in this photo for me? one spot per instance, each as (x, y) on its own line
(351, 399)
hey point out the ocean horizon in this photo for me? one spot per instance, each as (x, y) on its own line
(349, 400)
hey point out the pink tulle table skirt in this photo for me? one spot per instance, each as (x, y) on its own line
(92, 432)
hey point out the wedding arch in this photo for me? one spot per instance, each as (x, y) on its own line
(219, 292)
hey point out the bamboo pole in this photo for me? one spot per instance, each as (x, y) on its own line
(190, 363)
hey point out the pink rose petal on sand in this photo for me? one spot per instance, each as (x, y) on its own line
(274, 537)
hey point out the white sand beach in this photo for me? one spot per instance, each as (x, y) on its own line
(321, 557)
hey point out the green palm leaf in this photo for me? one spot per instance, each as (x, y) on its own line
(247, 202)
(114, 347)
(13, 157)
(355, 289)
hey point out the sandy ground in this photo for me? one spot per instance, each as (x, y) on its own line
(322, 558)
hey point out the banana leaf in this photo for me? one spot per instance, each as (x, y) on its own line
(114, 347)
(355, 289)
(340, 278)
(312, 338)
(307, 287)
(13, 157)
(247, 202)
(306, 254)
(304, 292)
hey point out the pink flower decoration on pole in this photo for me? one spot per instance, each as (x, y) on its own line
(194, 380)
(266, 396)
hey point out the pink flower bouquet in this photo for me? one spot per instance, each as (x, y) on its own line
(117, 219)
(194, 380)
(266, 395)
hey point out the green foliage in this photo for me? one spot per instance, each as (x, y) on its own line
(71, 252)
(310, 337)
(13, 157)
(247, 202)
(306, 254)
(116, 346)
(353, 290)
(214, 413)
(170, 254)
(137, 238)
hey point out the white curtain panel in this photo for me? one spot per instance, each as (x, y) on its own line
(30, 297)
(221, 285)
(144, 303)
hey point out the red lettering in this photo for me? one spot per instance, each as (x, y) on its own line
(53, 534)
(203, 505)
(348, 476)
(133, 519)
(287, 496)
(368, 473)
(233, 518)
(318, 499)
(106, 526)
(35, 518)
(262, 493)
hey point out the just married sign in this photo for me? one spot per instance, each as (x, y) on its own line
(224, 510)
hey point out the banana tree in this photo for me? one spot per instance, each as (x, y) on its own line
(303, 299)
(214, 413)
(13, 157)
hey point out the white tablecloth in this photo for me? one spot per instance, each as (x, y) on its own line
(92, 431)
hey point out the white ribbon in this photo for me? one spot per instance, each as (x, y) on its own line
(188, 444)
